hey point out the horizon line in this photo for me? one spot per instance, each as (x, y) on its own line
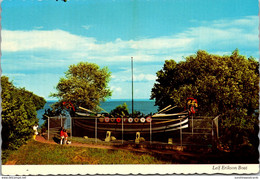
(139, 99)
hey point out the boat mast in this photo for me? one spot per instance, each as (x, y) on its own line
(132, 86)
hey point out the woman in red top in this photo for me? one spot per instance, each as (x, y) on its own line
(61, 135)
(65, 136)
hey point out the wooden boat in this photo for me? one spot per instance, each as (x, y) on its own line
(97, 125)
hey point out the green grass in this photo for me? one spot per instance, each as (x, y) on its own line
(87, 141)
(39, 153)
(94, 141)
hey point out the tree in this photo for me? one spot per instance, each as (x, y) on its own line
(85, 84)
(19, 108)
(120, 111)
(226, 85)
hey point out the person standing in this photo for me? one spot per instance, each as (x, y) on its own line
(35, 132)
(61, 135)
(65, 136)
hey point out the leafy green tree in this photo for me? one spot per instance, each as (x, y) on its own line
(19, 108)
(226, 85)
(120, 111)
(85, 84)
(137, 114)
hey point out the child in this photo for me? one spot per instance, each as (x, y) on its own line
(65, 136)
(61, 135)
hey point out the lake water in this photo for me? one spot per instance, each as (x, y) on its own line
(144, 106)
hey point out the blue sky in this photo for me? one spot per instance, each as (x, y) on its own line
(41, 38)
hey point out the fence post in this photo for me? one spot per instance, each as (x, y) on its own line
(217, 125)
(212, 132)
(151, 132)
(70, 127)
(180, 132)
(192, 124)
(122, 130)
(48, 128)
(60, 120)
(96, 129)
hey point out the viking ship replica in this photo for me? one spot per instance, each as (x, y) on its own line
(126, 127)
(162, 123)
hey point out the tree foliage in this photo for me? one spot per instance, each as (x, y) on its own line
(19, 108)
(120, 111)
(85, 84)
(226, 85)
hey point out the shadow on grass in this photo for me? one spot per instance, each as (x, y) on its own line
(56, 140)
(202, 156)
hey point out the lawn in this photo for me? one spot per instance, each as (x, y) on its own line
(34, 153)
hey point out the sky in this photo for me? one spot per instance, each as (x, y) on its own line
(41, 38)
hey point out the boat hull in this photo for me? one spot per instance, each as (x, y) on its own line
(160, 127)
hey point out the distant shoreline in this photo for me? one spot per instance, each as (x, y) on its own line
(129, 100)
(113, 100)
